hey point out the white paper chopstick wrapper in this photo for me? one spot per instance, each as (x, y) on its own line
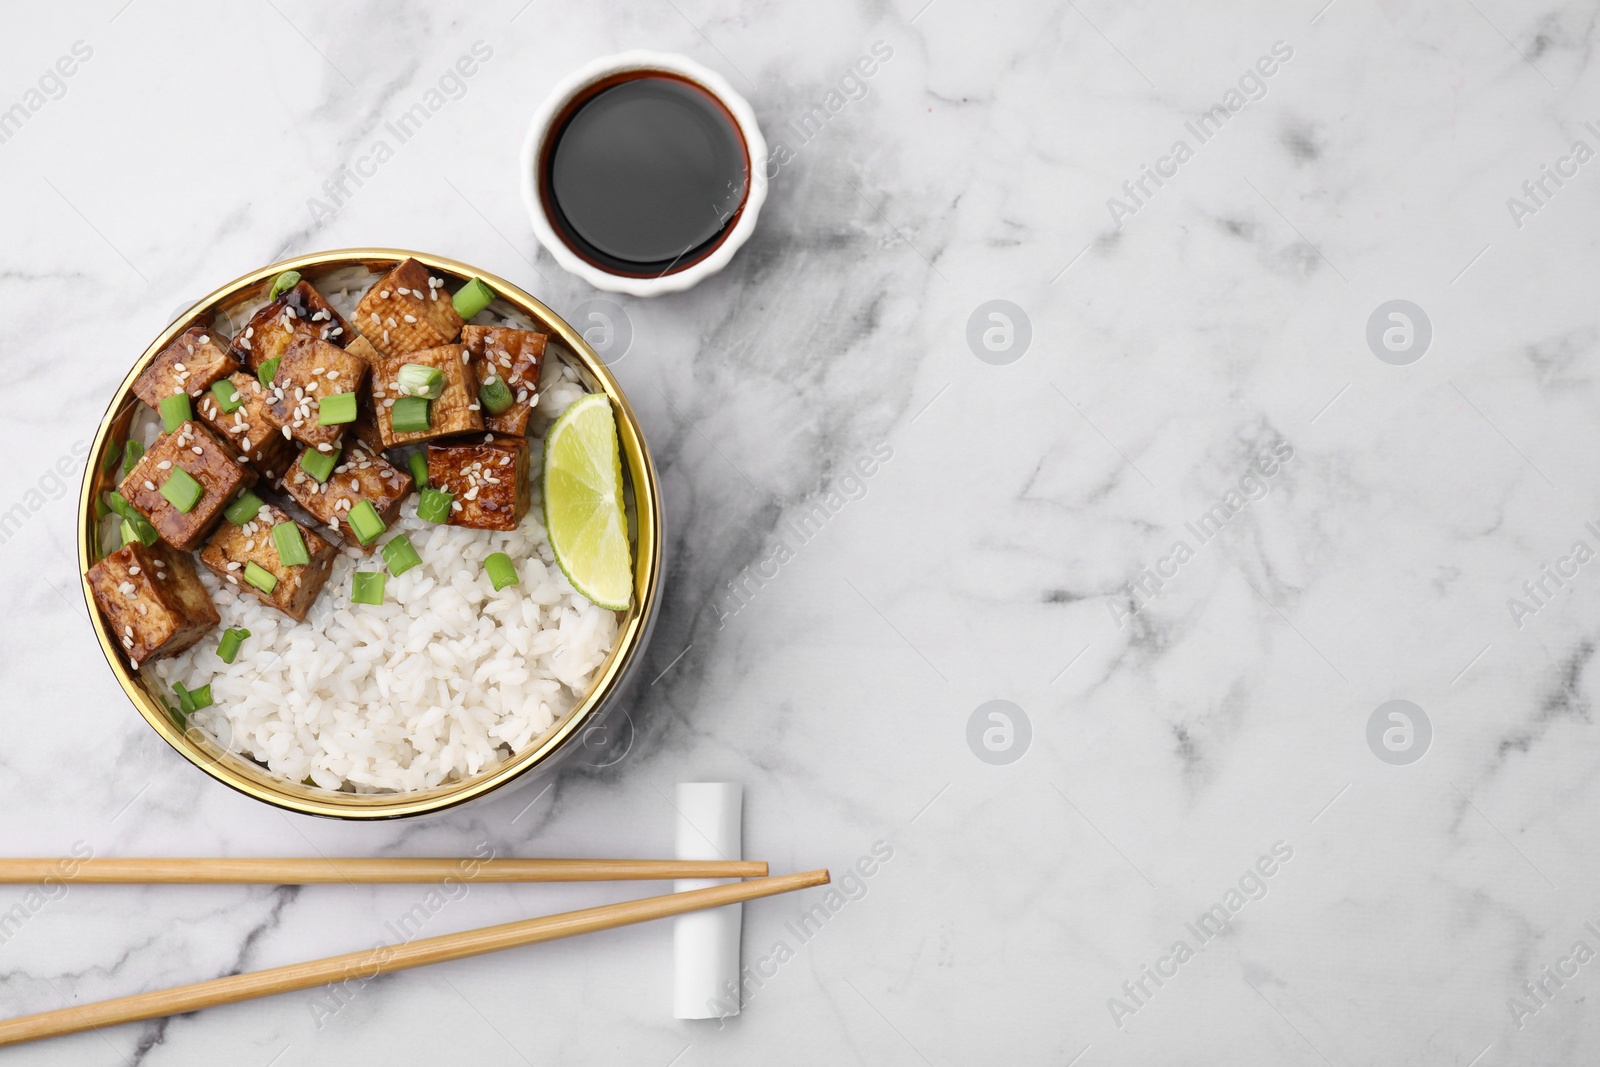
(705, 944)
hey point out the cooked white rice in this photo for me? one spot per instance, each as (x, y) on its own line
(444, 679)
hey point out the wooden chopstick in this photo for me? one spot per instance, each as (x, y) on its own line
(385, 959)
(318, 871)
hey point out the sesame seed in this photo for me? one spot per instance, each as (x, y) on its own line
(324, 448)
(235, 565)
(411, 318)
(333, 374)
(177, 366)
(134, 569)
(248, 545)
(246, 444)
(205, 338)
(197, 450)
(164, 465)
(127, 588)
(150, 485)
(286, 434)
(383, 294)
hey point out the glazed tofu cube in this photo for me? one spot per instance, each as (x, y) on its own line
(489, 480)
(312, 369)
(359, 475)
(153, 600)
(299, 311)
(408, 310)
(455, 411)
(514, 355)
(248, 431)
(232, 547)
(365, 428)
(195, 451)
(190, 364)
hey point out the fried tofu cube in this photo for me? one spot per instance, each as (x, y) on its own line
(152, 600)
(196, 451)
(298, 311)
(455, 411)
(408, 310)
(195, 360)
(515, 356)
(231, 547)
(489, 480)
(311, 369)
(248, 430)
(359, 475)
(365, 428)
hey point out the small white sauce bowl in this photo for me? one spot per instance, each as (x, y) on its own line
(542, 127)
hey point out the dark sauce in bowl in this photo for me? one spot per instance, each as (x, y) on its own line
(645, 173)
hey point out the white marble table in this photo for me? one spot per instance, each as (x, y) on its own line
(1189, 711)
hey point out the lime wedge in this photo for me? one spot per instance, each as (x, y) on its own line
(583, 503)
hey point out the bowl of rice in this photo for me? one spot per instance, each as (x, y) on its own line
(450, 688)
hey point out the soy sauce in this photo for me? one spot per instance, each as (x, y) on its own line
(645, 174)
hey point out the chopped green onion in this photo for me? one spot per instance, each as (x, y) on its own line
(119, 504)
(496, 396)
(232, 638)
(419, 379)
(265, 372)
(135, 527)
(110, 459)
(260, 577)
(185, 701)
(175, 411)
(501, 571)
(419, 469)
(335, 409)
(101, 508)
(290, 544)
(320, 464)
(283, 283)
(201, 698)
(227, 395)
(181, 490)
(178, 716)
(434, 505)
(244, 508)
(365, 522)
(400, 555)
(472, 298)
(132, 453)
(410, 415)
(366, 587)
